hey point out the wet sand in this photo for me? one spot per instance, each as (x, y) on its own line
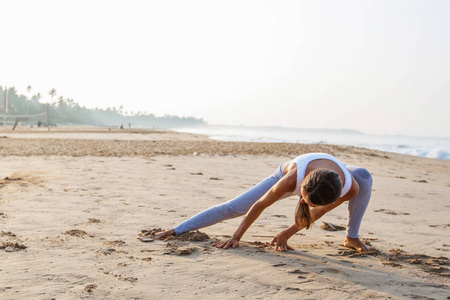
(76, 204)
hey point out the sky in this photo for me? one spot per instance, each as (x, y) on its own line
(380, 67)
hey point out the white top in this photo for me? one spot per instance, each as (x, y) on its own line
(302, 162)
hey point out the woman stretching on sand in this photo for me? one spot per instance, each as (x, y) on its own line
(321, 181)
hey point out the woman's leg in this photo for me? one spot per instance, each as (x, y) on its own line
(358, 205)
(231, 209)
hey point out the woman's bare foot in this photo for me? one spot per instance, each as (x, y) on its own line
(164, 234)
(357, 244)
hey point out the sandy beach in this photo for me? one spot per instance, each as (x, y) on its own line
(75, 204)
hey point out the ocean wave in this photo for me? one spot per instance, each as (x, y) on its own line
(438, 148)
(430, 153)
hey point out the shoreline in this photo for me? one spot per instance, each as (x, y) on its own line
(188, 146)
(67, 140)
(106, 141)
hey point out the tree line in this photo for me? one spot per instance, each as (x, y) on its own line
(66, 111)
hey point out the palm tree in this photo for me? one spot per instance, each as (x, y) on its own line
(52, 93)
(29, 88)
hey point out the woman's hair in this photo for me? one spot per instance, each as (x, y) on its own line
(322, 187)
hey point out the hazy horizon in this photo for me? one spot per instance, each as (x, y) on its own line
(378, 67)
(327, 130)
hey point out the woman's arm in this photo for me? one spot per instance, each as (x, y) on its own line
(283, 186)
(280, 240)
(318, 211)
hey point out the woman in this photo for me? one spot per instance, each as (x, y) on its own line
(321, 181)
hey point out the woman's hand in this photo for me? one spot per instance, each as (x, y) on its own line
(163, 234)
(280, 242)
(233, 242)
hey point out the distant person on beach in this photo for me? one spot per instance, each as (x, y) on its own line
(320, 180)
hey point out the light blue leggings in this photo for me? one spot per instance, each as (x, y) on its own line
(241, 204)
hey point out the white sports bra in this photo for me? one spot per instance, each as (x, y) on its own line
(302, 162)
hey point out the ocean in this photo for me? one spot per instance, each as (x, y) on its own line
(438, 148)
